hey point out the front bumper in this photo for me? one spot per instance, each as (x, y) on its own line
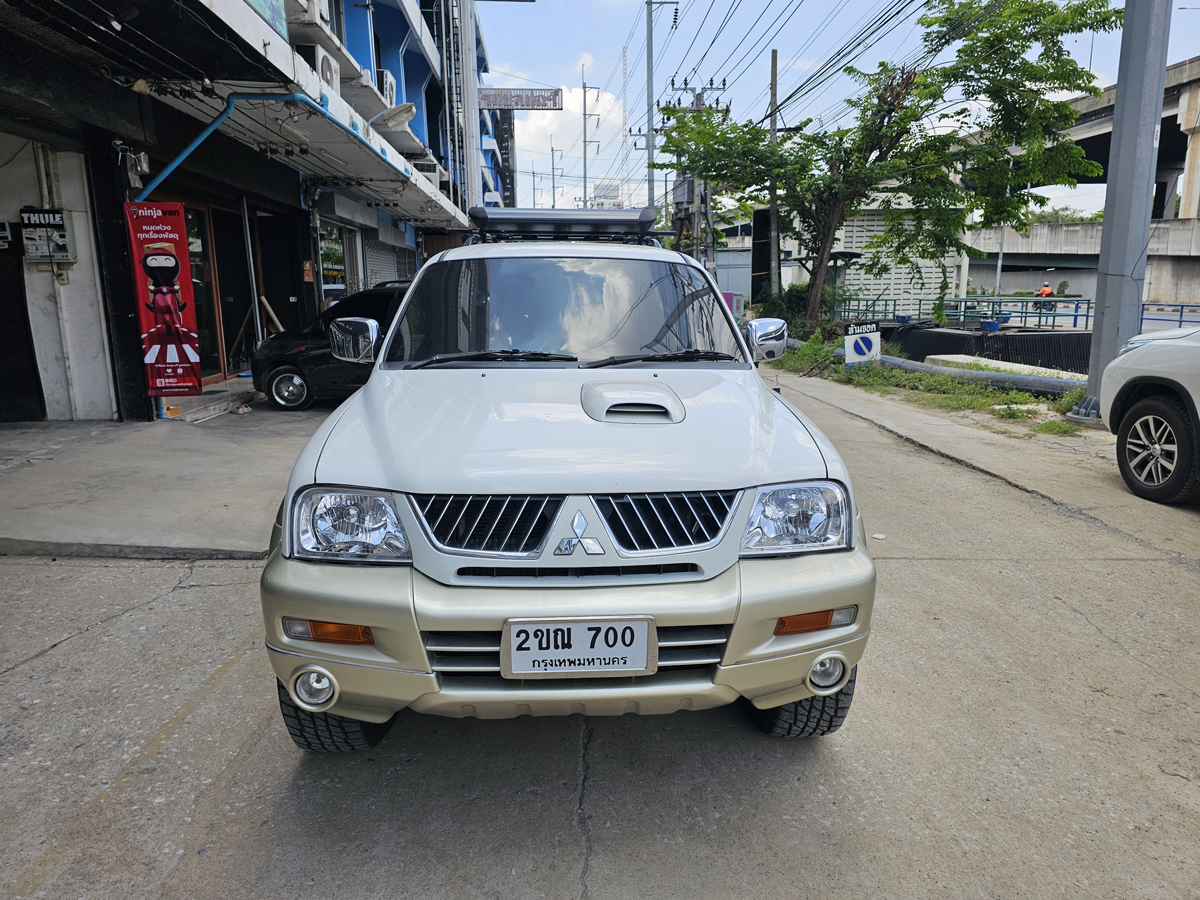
(402, 606)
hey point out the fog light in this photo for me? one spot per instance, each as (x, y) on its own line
(314, 688)
(827, 672)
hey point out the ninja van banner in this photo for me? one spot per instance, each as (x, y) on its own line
(166, 312)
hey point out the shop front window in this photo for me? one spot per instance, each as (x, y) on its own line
(208, 327)
(341, 271)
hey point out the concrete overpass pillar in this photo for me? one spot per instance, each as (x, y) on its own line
(1189, 124)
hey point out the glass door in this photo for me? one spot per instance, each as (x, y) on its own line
(204, 295)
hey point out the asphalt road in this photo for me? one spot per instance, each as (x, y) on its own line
(1027, 724)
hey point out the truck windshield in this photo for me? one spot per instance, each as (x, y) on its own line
(587, 308)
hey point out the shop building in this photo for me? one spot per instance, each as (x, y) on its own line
(316, 148)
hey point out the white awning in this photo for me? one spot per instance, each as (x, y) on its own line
(327, 140)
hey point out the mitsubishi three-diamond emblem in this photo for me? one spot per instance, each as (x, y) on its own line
(567, 546)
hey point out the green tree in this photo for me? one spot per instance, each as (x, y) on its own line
(934, 145)
(1057, 214)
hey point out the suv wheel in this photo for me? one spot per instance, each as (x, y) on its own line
(808, 717)
(1156, 451)
(327, 732)
(288, 389)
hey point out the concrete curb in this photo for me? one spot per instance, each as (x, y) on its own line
(18, 547)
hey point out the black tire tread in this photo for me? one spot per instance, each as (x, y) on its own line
(328, 732)
(1190, 488)
(810, 717)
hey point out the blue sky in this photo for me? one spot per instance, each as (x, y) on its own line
(555, 42)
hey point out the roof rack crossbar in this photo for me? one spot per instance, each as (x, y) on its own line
(492, 223)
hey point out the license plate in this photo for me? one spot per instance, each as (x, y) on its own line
(583, 647)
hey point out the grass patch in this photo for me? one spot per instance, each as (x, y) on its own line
(803, 358)
(937, 391)
(1054, 426)
(1068, 401)
(891, 348)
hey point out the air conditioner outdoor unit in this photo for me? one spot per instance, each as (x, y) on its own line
(318, 12)
(387, 86)
(328, 70)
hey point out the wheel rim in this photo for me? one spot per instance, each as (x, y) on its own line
(1151, 450)
(289, 390)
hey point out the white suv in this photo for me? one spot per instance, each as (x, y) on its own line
(564, 489)
(1148, 398)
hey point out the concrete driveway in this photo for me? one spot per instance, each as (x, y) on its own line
(150, 489)
(1025, 726)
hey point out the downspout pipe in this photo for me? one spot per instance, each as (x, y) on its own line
(230, 102)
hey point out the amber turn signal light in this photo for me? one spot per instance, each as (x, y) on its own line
(816, 621)
(329, 632)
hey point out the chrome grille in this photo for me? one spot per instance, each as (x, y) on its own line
(488, 525)
(653, 523)
(478, 652)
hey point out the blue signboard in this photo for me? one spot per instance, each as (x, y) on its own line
(275, 12)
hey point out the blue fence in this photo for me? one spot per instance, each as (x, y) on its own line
(1028, 312)
(1169, 315)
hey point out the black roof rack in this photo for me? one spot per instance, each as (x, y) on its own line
(508, 224)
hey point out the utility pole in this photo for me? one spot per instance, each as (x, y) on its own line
(650, 104)
(999, 262)
(553, 171)
(533, 176)
(585, 137)
(1137, 118)
(650, 4)
(775, 287)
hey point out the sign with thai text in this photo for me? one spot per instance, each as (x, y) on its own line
(520, 98)
(862, 343)
(166, 308)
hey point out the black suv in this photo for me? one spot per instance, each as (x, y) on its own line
(294, 368)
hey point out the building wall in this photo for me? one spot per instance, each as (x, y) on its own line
(900, 282)
(70, 334)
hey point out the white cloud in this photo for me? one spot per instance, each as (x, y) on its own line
(537, 128)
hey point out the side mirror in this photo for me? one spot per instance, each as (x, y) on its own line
(767, 338)
(354, 339)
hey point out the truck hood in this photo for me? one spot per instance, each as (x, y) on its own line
(525, 430)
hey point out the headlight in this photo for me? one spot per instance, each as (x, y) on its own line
(348, 525)
(795, 518)
(1131, 345)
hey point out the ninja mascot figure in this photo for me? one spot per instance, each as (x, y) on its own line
(168, 341)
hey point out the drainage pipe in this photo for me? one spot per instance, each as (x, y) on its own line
(1033, 383)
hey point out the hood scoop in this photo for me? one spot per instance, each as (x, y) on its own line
(631, 403)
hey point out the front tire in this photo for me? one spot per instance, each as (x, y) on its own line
(810, 717)
(328, 732)
(287, 388)
(1156, 451)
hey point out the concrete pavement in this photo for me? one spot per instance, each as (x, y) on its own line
(1025, 726)
(149, 489)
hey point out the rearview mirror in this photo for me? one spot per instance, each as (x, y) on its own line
(767, 338)
(354, 339)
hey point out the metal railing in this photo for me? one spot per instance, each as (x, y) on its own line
(1028, 312)
(1179, 315)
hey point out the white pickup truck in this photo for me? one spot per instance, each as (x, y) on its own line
(564, 489)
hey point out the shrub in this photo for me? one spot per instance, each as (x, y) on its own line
(1068, 401)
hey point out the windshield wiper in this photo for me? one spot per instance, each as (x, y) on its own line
(494, 356)
(678, 356)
